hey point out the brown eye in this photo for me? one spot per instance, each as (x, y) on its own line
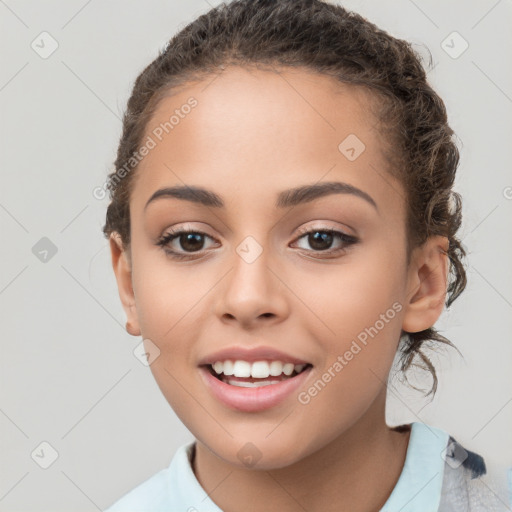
(321, 240)
(178, 243)
(190, 241)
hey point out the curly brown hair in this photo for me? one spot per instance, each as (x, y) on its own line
(327, 39)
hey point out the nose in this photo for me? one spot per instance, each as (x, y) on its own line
(252, 294)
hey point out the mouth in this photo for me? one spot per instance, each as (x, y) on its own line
(251, 387)
(257, 374)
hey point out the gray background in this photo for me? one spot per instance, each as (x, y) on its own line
(68, 373)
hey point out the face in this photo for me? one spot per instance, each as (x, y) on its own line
(318, 276)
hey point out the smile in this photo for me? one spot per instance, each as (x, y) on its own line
(256, 369)
(256, 386)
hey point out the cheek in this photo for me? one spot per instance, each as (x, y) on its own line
(170, 315)
(352, 296)
(359, 308)
(167, 297)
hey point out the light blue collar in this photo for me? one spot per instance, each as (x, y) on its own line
(176, 487)
(419, 486)
(187, 493)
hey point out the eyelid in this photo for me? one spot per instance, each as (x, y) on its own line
(346, 239)
(176, 231)
(325, 225)
(185, 226)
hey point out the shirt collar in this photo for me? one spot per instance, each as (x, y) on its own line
(186, 492)
(418, 488)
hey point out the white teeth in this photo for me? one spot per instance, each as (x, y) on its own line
(257, 369)
(276, 368)
(226, 368)
(299, 367)
(242, 369)
(288, 368)
(243, 384)
(260, 370)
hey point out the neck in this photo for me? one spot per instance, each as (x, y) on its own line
(356, 472)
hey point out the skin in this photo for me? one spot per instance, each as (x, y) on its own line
(253, 134)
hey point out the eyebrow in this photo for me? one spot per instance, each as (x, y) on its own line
(285, 199)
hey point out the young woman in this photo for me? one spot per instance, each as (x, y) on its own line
(282, 223)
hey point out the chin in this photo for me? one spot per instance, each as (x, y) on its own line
(258, 454)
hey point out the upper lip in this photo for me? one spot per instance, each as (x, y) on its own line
(250, 355)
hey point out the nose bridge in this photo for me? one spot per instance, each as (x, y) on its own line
(252, 289)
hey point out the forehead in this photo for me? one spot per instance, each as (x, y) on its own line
(254, 130)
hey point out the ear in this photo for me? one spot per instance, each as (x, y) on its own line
(122, 269)
(426, 284)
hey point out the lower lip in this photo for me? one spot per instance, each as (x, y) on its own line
(252, 399)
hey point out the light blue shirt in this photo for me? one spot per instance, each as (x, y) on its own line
(418, 489)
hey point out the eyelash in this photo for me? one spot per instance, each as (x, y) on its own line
(166, 239)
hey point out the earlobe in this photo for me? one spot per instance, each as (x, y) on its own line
(427, 285)
(122, 269)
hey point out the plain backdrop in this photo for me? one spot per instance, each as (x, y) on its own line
(69, 377)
